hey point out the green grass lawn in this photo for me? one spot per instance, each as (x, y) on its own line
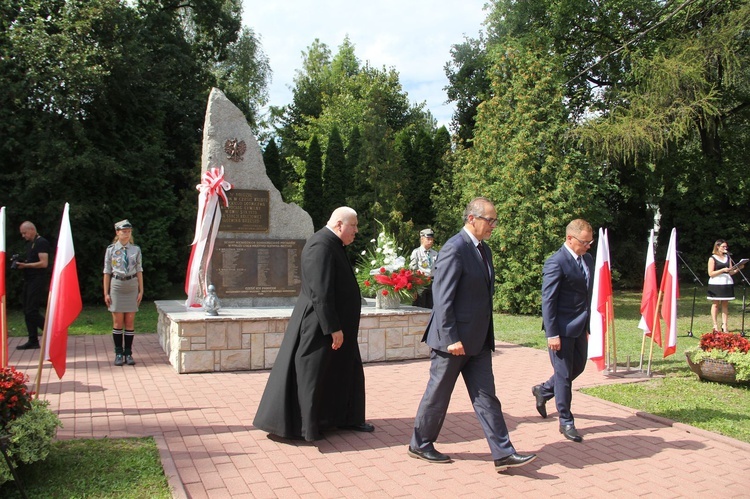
(127, 468)
(674, 392)
(93, 320)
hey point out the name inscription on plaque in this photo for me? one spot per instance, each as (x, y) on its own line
(247, 211)
(249, 268)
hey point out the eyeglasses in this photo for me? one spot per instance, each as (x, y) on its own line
(491, 221)
(585, 243)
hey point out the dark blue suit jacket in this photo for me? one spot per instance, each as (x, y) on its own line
(462, 293)
(566, 300)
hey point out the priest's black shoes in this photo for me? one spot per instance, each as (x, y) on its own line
(570, 432)
(513, 461)
(540, 402)
(431, 456)
(363, 427)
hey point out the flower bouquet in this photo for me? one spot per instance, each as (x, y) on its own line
(729, 350)
(382, 271)
(15, 397)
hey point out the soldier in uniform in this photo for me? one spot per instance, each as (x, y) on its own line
(123, 289)
(423, 259)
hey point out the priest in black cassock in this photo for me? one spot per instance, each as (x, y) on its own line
(317, 381)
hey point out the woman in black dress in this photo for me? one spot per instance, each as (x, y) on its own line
(720, 283)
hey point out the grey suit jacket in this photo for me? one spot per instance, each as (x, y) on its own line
(566, 299)
(462, 292)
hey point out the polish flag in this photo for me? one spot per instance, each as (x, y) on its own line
(602, 311)
(650, 323)
(3, 310)
(65, 298)
(670, 292)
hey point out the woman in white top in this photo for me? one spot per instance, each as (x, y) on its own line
(720, 284)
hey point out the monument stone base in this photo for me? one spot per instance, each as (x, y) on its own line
(241, 339)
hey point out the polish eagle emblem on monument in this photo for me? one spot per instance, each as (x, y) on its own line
(235, 150)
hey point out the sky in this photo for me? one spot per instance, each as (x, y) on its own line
(412, 36)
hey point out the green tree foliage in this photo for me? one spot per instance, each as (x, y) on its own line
(468, 85)
(244, 75)
(522, 162)
(370, 111)
(312, 197)
(336, 178)
(103, 109)
(273, 164)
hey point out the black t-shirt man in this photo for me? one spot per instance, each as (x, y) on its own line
(35, 282)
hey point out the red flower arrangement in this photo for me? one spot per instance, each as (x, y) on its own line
(403, 282)
(15, 397)
(728, 342)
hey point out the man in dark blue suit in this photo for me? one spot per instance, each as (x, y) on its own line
(567, 280)
(461, 337)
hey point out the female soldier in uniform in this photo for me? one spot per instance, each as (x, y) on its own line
(123, 289)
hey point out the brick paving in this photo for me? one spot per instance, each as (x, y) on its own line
(203, 428)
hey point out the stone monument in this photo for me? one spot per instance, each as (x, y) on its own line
(255, 270)
(255, 261)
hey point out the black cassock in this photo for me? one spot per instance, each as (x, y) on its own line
(311, 386)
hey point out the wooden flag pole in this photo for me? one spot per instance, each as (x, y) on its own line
(656, 318)
(643, 349)
(43, 348)
(614, 341)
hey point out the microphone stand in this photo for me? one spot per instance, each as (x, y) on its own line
(696, 279)
(744, 291)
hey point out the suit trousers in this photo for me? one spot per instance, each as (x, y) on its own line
(568, 363)
(480, 383)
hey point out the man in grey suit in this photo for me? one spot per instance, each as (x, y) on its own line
(461, 337)
(567, 282)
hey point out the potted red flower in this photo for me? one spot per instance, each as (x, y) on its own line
(721, 357)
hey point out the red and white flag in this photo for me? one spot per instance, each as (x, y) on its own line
(213, 189)
(602, 311)
(670, 292)
(650, 322)
(65, 298)
(3, 310)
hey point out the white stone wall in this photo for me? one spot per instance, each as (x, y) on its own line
(247, 339)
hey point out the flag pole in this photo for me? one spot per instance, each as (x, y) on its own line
(643, 349)
(43, 349)
(656, 318)
(614, 341)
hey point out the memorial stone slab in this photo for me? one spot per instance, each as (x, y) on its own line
(256, 257)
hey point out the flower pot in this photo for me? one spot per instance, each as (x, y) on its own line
(717, 370)
(389, 301)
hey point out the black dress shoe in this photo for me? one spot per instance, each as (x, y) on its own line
(364, 427)
(570, 432)
(29, 345)
(513, 461)
(540, 402)
(431, 456)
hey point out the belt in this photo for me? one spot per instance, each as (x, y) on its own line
(123, 278)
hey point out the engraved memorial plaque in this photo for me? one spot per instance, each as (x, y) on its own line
(253, 268)
(248, 211)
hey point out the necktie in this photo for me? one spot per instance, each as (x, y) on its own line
(583, 269)
(484, 258)
(125, 257)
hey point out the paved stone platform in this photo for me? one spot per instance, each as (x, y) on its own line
(203, 425)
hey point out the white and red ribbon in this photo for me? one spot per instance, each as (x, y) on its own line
(212, 188)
